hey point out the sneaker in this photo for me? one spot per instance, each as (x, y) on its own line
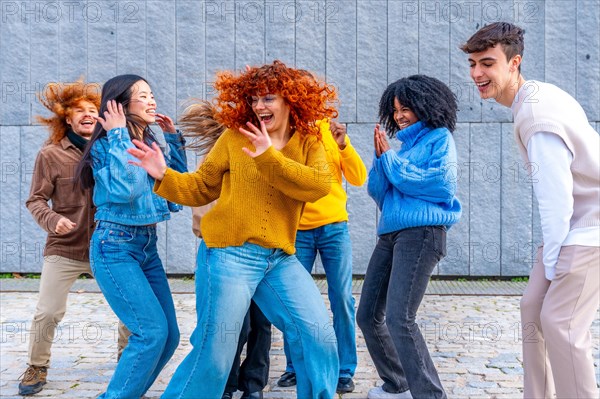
(287, 379)
(32, 380)
(345, 385)
(379, 393)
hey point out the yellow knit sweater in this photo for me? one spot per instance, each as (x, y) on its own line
(260, 199)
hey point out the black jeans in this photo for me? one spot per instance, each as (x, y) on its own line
(253, 374)
(395, 283)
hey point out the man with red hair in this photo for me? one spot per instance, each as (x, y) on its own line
(69, 221)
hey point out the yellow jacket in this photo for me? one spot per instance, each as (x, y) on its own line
(332, 207)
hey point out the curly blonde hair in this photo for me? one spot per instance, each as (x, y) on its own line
(59, 98)
(309, 98)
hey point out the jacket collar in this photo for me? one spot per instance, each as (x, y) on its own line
(410, 135)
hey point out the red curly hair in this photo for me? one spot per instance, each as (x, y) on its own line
(59, 98)
(309, 99)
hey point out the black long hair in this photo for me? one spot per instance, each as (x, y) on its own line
(119, 89)
(428, 98)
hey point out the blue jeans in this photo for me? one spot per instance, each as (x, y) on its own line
(332, 242)
(252, 375)
(226, 280)
(395, 283)
(125, 263)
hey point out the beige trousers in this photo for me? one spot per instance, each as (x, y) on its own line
(123, 339)
(556, 317)
(58, 276)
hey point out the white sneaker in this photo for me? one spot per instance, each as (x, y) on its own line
(379, 393)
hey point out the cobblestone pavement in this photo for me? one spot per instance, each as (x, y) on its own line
(475, 342)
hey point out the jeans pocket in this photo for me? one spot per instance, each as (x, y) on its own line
(116, 235)
(438, 234)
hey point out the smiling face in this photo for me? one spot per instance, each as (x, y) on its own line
(81, 118)
(142, 102)
(403, 116)
(495, 76)
(273, 111)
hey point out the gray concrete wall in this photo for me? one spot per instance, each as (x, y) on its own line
(358, 45)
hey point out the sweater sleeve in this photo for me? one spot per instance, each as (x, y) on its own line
(305, 183)
(352, 165)
(378, 184)
(42, 187)
(430, 181)
(200, 187)
(553, 188)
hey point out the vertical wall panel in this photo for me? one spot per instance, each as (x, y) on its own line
(341, 55)
(190, 52)
(463, 18)
(362, 210)
(219, 38)
(561, 44)
(457, 262)
(33, 237)
(530, 16)
(132, 39)
(485, 206)
(280, 30)
(102, 38)
(371, 59)
(44, 64)
(310, 49)
(10, 201)
(249, 33)
(72, 42)
(588, 57)
(434, 32)
(15, 85)
(161, 63)
(402, 39)
(516, 208)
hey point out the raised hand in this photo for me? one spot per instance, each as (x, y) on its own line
(151, 159)
(338, 131)
(64, 225)
(380, 141)
(114, 116)
(259, 138)
(165, 123)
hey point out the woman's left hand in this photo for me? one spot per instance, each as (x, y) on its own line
(380, 141)
(259, 138)
(151, 159)
(165, 123)
(338, 131)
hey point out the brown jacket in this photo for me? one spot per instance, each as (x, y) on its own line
(53, 181)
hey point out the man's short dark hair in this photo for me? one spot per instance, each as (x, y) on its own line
(508, 35)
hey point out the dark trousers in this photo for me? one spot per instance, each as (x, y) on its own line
(395, 283)
(253, 374)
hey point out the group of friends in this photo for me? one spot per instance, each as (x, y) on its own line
(268, 197)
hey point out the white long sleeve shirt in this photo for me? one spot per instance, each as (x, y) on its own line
(553, 187)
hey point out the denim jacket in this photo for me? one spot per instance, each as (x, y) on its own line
(123, 193)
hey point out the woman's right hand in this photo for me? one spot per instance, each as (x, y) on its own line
(151, 159)
(114, 116)
(259, 138)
